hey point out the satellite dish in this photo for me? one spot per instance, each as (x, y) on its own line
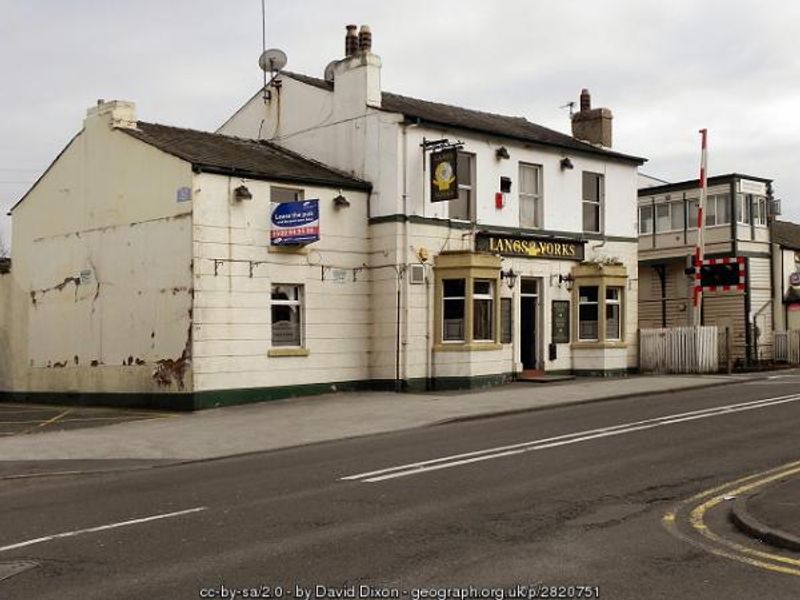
(272, 60)
(329, 71)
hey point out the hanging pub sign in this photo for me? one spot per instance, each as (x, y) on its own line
(531, 247)
(444, 175)
(294, 223)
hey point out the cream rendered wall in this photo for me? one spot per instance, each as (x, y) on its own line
(107, 207)
(232, 317)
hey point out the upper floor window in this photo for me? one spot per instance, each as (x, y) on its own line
(646, 219)
(530, 195)
(760, 210)
(282, 194)
(592, 202)
(744, 202)
(718, 210)
(669, 217)
(692, 216)
(464, 206)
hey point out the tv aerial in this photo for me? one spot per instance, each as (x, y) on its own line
(272, 60)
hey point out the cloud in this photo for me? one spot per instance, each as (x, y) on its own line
(665, 69)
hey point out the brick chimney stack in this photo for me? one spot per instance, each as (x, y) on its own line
(365, 39)
(351, 41)
(592, 125)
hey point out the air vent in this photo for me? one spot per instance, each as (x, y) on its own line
(417, 274)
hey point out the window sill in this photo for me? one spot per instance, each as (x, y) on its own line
(275, 352)
(288, 249)
(599, 344)
(467, 347)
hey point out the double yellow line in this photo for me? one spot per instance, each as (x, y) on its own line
(712, 542)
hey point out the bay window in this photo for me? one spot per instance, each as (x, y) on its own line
(613, 313)
(588, 322)
(453, 309)
(483, 310)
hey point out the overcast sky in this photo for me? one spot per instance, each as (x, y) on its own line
(665, 69)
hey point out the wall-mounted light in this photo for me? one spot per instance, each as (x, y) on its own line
(340, 202)
(566, 163)
(568, 279)
(502, 152)
(242, 193)
(510, 276)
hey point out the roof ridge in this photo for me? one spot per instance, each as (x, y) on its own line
(203, 131)
(475, 110)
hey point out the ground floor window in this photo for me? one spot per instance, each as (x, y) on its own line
(613, 313)
(453, 305)
(483, 310)
(588, 322)
(467, 310)
(287, 315)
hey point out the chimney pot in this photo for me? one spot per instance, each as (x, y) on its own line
(586, 100)
(351, 41)
(365, 39)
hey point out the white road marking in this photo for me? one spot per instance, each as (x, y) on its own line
(67, 534)
(455, 460)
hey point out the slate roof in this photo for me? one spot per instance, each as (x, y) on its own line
(695, 183)
(253, 159)
(786, 234)
(517, 128)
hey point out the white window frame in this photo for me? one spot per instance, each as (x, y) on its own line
(691, 213)
(599, 203)
(760, 217)
(469, 188)
(643, 229)
(618, 303)
(744, 209)
(660, 208)
(596, 304)
(717, 200)
(276, 190)
(536, 197)
(299, 302)
(489, 297)
(463, 299)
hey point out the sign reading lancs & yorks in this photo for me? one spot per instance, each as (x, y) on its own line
(532, 247)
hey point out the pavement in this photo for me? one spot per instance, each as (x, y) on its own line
(58, 440)
(258, 427)
(771, 515)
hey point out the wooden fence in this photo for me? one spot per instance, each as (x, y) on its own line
(679, 350)
(787, 346)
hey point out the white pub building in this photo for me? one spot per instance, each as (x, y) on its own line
(497, 246)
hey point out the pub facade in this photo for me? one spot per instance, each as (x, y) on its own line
(498, 247)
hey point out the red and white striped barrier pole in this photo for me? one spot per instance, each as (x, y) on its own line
(699, 249)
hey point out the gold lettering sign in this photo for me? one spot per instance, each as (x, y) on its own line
(531, 247)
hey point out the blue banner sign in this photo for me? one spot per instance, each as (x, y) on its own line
(294, 223)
